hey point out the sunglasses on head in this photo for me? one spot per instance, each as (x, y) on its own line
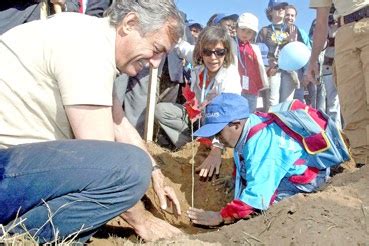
(216, 52)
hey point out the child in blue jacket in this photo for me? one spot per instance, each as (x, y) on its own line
(277, 155)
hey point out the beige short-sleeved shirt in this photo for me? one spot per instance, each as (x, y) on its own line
(343, 7)
(68, 59)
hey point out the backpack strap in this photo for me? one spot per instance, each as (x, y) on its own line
(313, 144)
(258, 127)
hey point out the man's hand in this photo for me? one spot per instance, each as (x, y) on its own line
(202, 217)
(165, 193)
(211, 163)
(311, 73)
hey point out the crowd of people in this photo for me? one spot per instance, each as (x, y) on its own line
(73, 90)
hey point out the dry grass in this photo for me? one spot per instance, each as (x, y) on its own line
(8, 238)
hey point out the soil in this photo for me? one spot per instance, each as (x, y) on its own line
(336, 215)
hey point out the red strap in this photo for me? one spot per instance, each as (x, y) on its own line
(287, 130)
(314, 113)
(255, 129)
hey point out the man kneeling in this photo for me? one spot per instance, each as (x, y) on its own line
(277, 155)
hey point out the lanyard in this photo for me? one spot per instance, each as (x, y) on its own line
(240, 57)
(205, 90)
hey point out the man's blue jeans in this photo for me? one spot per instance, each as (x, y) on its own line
(70, 185)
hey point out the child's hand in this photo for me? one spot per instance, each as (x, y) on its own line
(292, 36)
(202, 217)
(211, 163)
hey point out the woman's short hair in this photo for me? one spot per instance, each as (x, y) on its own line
(152, 15)
(211, 36)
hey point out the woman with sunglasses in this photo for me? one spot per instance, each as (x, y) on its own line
(214, 71)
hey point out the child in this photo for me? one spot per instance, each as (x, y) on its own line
(250, 62)
(270, 163)
(214, 72)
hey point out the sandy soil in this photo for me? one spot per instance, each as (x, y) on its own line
(337, 215)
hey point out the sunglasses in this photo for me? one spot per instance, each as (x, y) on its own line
(216, 52)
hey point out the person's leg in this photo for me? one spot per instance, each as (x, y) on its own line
(275, 85)
(299, 94)
(265, 94)
(352, 69)
(321, 97)
(288, 85)
(173, 120)
(333, 104)
(135, 100)
(70, 186)
(286, 188)
(252, 100)
(311, 97)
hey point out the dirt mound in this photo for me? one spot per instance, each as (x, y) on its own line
(338, 215)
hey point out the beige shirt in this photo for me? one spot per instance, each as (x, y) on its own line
(68, 59)
(343, 7)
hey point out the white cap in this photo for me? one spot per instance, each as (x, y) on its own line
(248, 20)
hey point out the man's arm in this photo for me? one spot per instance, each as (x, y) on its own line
(108, 123)
(124, 132)
(319, 38)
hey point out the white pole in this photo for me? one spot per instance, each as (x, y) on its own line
(150, 106)
(44, 9)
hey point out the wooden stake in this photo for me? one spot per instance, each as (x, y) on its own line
(57, 8)
(44, 9)
(150, 106)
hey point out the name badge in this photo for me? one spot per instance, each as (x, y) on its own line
(245, 82)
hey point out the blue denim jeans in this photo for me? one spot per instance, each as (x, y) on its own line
(70, 185)
(286, 188)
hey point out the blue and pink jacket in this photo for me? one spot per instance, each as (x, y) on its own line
(291, 144)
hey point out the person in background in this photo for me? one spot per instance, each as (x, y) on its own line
(327, 97)
(133, 90)
(17, 12)
(292, 86)
(351, 63)
(95, 7)
(271, 164)
(214, 72)
(195, 29)
(250, 62)
(66, 148)
(227, 21)
(274, 36)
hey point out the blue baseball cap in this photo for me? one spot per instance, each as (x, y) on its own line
(222, 16)
(223, 109)
(276, 3)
